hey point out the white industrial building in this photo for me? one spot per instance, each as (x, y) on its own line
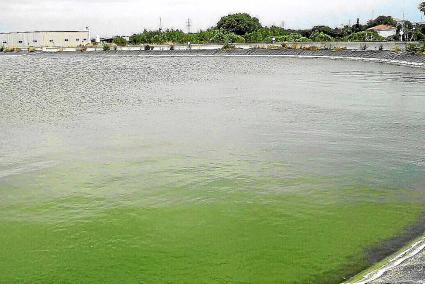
(40, 39)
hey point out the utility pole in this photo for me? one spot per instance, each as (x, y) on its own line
(88, 29)
(160, 24)
(403, 25)
(404, 9)
(188, 25)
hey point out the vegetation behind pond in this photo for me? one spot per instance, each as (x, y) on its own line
(243, 28)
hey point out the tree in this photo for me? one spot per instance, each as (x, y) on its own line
(346, 31)
(422, 7)
(239, 24)
(322, 29)
(358, 27)
(382, 20)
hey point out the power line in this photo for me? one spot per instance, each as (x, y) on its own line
(188, 25)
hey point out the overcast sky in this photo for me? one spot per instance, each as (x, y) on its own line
(124, 17)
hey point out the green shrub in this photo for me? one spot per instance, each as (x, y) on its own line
(120, 41)
(266, 35)
(321, 37)
(106, 47)
(294, 37)
(413, 48)
(222, 36)
(1, 48)
(419, 36)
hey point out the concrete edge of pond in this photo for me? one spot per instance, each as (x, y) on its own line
(378, 56)
(397, 58)
(392, 262)
(392, 253)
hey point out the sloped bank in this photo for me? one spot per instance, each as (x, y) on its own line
(405, 264)
(399, 58)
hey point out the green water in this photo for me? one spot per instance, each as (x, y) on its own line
(218, 174)
(219, 231)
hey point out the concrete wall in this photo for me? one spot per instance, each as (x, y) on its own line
(44, 39)
(67, 46)
(388, 46)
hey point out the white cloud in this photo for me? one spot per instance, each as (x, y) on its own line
(128, 16)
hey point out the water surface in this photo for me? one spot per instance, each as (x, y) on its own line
(124, 168)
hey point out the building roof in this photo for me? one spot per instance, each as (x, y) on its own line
(81, 31)
(382, 28)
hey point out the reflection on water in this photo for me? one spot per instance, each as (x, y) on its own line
(294, 148)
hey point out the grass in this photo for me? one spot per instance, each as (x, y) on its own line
(117, 224)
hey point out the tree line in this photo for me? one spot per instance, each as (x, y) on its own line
(243, 28)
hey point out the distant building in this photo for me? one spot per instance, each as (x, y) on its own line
(106, 39)
(39, 39)
(384, 30)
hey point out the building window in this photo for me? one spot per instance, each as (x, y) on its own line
(35, 41)
(20, 41)
(84, 39)
(66, 39)
(51, 40)
(4, 42)
(77, 39)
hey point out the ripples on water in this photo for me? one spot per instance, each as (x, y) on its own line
(84, 135)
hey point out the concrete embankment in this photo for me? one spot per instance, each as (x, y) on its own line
(401, 58)
(395, 265)
(407, 266)
(369, 46)
(387, 52)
